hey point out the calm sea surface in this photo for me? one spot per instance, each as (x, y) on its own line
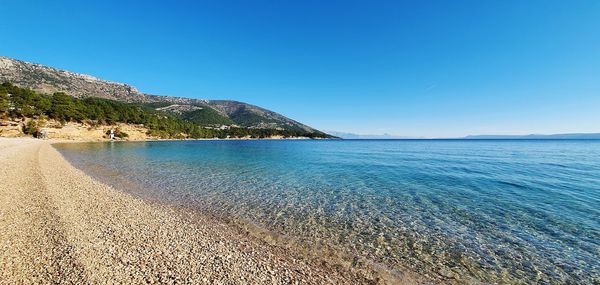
(498, 211)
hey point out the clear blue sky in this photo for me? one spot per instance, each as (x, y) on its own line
(416, 68)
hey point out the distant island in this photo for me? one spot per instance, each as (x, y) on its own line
(573, 136)
(352, 136)
(569, 136)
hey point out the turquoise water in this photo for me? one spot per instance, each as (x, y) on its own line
(495, 211)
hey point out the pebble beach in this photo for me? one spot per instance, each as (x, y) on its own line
(60, 226)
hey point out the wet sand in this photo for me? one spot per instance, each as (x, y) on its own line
(60, 226)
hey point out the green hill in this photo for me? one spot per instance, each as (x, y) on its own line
(206, 117)
(202, 112)
(17, 103)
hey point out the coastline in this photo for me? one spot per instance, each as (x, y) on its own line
(60, 226)
(82, 132)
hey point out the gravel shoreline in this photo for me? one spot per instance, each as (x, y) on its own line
(60, 226)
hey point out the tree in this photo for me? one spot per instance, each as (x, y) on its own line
(63, 108)
(4, 103)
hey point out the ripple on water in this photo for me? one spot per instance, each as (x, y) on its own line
(499, 211)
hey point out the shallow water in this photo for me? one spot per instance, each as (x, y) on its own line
(495, 211)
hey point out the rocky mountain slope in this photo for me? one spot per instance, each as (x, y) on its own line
(48, 80)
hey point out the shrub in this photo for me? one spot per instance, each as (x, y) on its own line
(121, 134)
(31, 128)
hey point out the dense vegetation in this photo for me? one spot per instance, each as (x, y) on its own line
(248, 118)
(206, 117)
(18, 102)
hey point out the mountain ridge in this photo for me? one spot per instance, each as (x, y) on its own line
(560, 136)
(47, 80)
(564, 136)
(353, 136)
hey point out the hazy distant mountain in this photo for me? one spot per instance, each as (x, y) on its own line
(48, 80)
(576, 136)
(358, 137)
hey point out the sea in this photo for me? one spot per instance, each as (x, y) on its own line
(492, 211)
